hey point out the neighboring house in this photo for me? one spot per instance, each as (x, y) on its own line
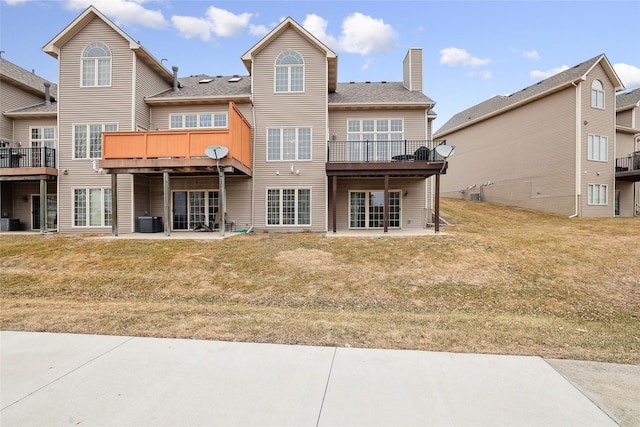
(28, 136)
(552, 146)
(628, 153)
(303, 152)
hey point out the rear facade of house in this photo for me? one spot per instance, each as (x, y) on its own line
(567, 145)
(133, 147)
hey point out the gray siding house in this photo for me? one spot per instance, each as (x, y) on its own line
(566, 145)
(302, 152)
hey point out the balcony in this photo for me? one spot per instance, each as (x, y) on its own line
(19, 164)
(179, 151)
(384, 158)
(628, 168)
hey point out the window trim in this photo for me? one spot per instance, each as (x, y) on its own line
(96, 64)
(87, 127)
(199, 115)
(603, 191)
(597, 95)
(593, 154)
(104, 222)
(281, 148)
(288, 68)
(280, 206)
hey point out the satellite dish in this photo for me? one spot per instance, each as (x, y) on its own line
(445, 151)
(216, 152)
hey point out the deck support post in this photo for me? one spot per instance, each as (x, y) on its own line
(437, 207)
(43, 206)
(167, 203)
(385, 216)
(114, 205)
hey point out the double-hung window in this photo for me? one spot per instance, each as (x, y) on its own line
(597, 148)
(597, 95)
(92, 207)
(87, 140)
(198, 120)
(289, 206)
(96, 65)
(289, 72)
(597, 194)
(289, 144)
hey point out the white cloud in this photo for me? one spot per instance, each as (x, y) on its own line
(364, 35)
(454, 56)
(14, 2)
(225, 23)
(258, 30)
(123, 12)
(218, 22)
(190, 26)
(531, 54)
(486, 75)
(541, 75)
(360, 34)
(629, 74)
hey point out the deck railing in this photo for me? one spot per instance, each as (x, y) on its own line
(404, 150)
(629, 163)
(36, 157)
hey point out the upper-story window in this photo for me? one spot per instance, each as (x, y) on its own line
(96, 65)
(597, 94)
(597, 148)
(198, 120)
(289, 72)
(87, 140)
(43, 137)
(289, 144)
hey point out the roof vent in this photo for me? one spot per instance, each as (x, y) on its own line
(384, 81)
(367, 82)
(235, 79)
(204, 81)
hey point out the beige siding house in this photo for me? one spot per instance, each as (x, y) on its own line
(552, 146)
(283, 148)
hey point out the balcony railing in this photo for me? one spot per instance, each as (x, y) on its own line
(383, 151)
(37, 157)
(629, 163)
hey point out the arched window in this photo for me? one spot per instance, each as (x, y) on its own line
(289, 72)
(96, 65)
(597, 94)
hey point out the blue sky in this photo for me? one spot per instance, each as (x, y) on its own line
(473, 50)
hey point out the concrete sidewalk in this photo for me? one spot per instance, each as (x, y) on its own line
(64, 379)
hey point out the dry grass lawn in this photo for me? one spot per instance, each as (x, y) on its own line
(501, 280)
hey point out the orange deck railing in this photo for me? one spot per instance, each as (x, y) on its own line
(181, 143)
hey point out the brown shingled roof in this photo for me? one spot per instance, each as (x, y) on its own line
(220, 87)
(377, 93)
(27, 80)
(627, 100)
(501, 103)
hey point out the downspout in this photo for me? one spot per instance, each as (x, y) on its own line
(578, 184)
(253, 157)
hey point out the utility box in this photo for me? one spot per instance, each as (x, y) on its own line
(149, 224)
(9, 224)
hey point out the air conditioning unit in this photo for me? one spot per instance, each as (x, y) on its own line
(475, 197)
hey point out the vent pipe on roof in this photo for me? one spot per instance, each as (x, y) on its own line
(47, 93)
(175, 78)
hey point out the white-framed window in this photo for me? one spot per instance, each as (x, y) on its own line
(366, 209)
(198, 120)
(289, 72)
(40, 137)
(43, 137)
(96, 65)
(597, 94)
(87, 139)
(92, 207)
(374, 139)
(597, 194)
(597, 148)
(289, 144)
(289, 206)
